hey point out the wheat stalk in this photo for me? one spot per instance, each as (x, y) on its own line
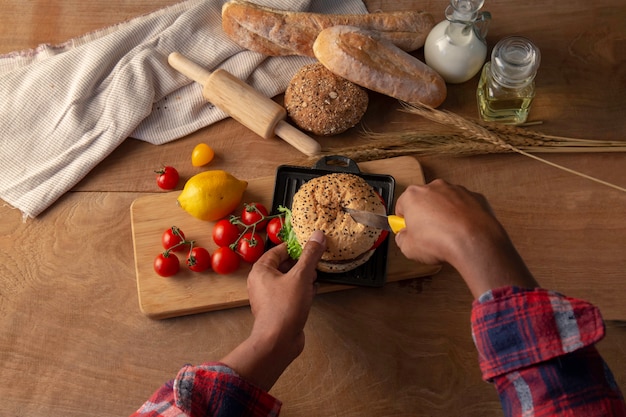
(471, 138)
(457, 144)
(480, 132)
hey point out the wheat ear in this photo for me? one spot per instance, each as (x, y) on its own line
(479, 132)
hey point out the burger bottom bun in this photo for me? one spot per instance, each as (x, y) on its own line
(338, 267)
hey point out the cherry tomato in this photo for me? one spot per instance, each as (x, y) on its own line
(172, 237)
(201, 155)
(166, 264)
(381, 238)
(225, 233)
(273, 229)
(199, 259)
(225, 260)
(250, 247)
(254, 212)
(167, 178)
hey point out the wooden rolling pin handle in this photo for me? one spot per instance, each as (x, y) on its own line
(188, 68)
(296, 138)
(243, 103)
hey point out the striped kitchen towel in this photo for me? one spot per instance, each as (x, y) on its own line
(64, 108)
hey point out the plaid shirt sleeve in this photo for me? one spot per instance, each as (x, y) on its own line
(211, 389)
(537, 347)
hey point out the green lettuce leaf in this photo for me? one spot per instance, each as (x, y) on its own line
(289, 236)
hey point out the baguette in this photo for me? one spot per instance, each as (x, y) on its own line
(366, 59)
(278, 32)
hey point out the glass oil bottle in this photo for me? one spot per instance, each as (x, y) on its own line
(507, 88)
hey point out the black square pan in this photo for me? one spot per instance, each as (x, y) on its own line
(289, 179)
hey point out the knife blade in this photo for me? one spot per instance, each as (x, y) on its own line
(392, 222)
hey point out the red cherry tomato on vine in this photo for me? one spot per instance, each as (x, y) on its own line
(250, 247)
(254, 212)
(274, 227)
(166, 264)
(225, 260)
(225, 233)
(199, 259)
(172, 237)
(167, 178)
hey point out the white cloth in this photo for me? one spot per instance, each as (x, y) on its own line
(64, 108)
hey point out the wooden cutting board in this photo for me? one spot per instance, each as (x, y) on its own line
(190, 292)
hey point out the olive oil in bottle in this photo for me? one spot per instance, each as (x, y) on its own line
(506, 88)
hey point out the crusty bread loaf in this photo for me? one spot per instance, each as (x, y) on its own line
(323, 103)
(278, 32)
(366, 59)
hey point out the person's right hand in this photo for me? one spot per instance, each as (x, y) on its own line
(448, 223)
(439, 218)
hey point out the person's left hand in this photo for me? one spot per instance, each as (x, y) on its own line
(281, 293)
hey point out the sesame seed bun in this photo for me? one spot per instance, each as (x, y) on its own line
(319, 205)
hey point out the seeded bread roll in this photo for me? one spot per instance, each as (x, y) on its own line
(323, 103)
(319, 205)
(366, 59)
(282, 32)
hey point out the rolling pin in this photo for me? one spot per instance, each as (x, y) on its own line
(243, 103)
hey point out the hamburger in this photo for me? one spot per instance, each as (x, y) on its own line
(319, 205)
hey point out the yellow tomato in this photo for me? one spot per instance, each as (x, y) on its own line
(201, 155)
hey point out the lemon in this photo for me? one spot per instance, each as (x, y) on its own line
(211, 195)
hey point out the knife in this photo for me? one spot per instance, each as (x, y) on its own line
(392, 222)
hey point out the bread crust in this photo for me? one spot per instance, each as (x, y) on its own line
(334, 267)
(280, 32)
(370, 61)
(318, 205)
(321, 102)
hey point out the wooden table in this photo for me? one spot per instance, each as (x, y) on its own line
(73, 341)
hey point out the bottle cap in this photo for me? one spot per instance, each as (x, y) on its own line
(514, 61)
(463, 10)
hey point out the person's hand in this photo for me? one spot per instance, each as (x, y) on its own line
(448, 223)
(439, 218)
(281, 294)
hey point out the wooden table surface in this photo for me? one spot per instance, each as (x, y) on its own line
(73, 341)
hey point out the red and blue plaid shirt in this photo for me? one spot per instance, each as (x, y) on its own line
(535, 346)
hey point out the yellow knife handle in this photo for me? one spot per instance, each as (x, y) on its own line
(396, 222)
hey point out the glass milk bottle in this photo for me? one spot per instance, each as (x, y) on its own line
(506, 88)
(456, 47)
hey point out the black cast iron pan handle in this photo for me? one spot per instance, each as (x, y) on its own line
(337, 163)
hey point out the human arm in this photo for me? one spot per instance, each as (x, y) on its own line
(280, 304)
(536, 346)
(281, 295)
(448, 223)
